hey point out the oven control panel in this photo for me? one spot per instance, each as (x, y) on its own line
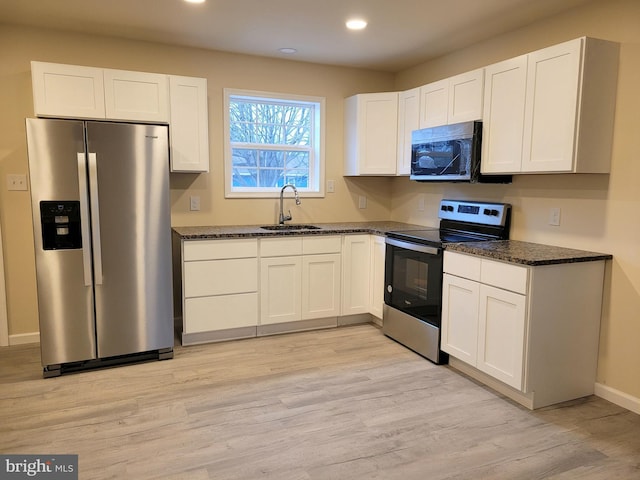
(485, 213)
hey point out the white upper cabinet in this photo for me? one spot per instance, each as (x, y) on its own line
(408, 121)
(72, 91)
(452, 100)
(67, 90)
(136, 96)
(434, 102)
(503, 119)
(371, 130)
(189, 124)
(563, 99)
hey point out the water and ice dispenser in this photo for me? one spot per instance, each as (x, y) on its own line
(60, 225)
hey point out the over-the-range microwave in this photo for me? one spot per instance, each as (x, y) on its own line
(450, 153)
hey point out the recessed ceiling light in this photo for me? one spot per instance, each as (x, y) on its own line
(287, 50)
(194, 1)
(356, 24)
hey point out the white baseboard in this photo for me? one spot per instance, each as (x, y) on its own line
(622, 399)
(22, 338)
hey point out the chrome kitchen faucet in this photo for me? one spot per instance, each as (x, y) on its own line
(284, 218)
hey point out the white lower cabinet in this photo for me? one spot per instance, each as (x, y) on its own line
(356, 291)
(321, 286)
(529, 332)
(376, 281)
(299, 279)
(460, 305)
(219, 288)
(501, 323)
(280, 289)
(237, 288)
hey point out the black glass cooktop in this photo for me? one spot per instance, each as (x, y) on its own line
(435, 236)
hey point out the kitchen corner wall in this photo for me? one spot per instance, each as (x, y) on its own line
(221, 70)
(598, 212)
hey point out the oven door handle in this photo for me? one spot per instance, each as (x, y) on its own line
(415, 247)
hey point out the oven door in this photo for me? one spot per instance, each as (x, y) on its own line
(413, 279)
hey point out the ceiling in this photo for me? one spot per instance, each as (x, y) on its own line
(400, 34)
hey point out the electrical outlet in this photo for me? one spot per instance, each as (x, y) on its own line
(362, 201)
(194, 203)
(16, 182)
(554, 216)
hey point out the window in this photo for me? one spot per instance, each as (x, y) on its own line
(272, 140)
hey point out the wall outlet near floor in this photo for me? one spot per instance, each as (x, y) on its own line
(194, 201)
(16, 182)
(554, 216)
(362, 201)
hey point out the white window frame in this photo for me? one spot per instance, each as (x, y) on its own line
(316, 171)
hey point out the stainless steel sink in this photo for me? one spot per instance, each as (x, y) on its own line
(289, 227)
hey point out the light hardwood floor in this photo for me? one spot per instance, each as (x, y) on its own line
(346, 403)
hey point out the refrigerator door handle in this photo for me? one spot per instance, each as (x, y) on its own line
(84, 218)
(95, 218)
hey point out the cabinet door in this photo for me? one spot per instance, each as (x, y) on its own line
(460, 299)
(321, 286)
(377, 275)
(408, 121)
(189, 124)
(67, 90)
(280, 296)
(465, 97)
(356, 262)
(378, 131)
(553, 83)
(136, 96)
(503, 117)
(434, 104)
(501, 335)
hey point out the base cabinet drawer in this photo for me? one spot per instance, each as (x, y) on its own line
(220, 277)
(220, 312)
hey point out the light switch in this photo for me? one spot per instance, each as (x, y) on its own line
(554, 216)
(362, 201)
(331, 186)
(194, 203)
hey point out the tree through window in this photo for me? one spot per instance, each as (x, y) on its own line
(272, 141)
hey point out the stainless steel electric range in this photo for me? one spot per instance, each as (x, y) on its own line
(413, 271)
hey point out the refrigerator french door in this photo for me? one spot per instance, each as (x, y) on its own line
(101, 219)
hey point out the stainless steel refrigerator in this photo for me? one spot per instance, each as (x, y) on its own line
(101, 221)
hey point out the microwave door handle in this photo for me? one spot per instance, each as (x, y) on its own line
(95, 218)
(84, 218)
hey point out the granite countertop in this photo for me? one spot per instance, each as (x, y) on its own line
(247, 231)
(526, 253)
(514, 251)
